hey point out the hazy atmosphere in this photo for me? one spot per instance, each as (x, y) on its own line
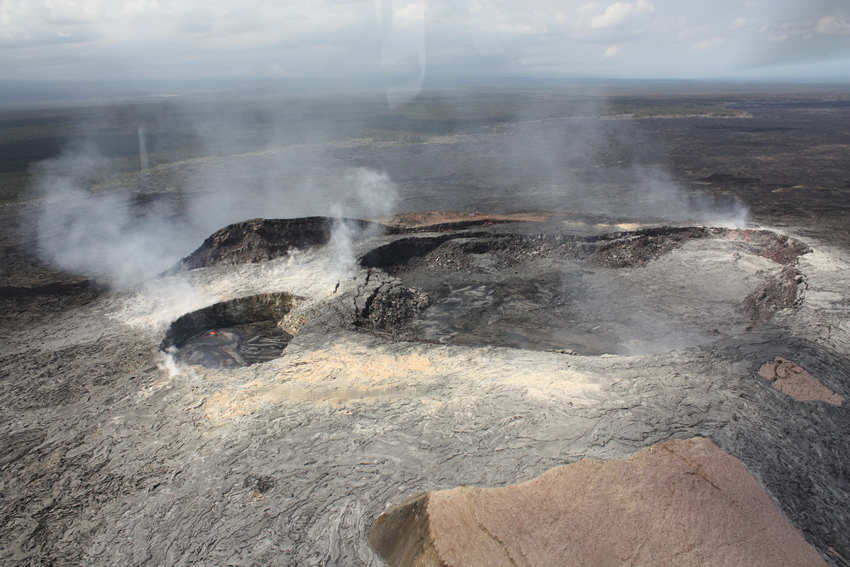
(405, 43)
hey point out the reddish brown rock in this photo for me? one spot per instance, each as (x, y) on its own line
(429, 219)
(793, 381)
(677, 503)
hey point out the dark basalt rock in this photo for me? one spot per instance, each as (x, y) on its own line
(729, 178)
(780, 292)
(402, 535)
(392, 306)
(614, 250)
(260, 240)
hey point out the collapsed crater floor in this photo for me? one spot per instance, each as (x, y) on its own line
(623, 293)
(234, 333)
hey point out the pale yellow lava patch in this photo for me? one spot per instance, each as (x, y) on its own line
(243, 400)
(228, 404)
(623, 226)
(545, 385)
(341, 374)
(349, 372)
(358, 364)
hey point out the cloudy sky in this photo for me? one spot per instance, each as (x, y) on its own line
(414, 40)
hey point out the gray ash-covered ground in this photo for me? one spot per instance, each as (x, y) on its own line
(111, 454)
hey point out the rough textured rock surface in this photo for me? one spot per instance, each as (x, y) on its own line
(794, 381)
(683, 502)
(260, 240)
(391, 306)
(115, 455)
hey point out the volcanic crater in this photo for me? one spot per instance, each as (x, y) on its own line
(637, 292)
(534, 286)
(359, 338)
(234, 333)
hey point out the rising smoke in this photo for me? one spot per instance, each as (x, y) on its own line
(369, 194)
(129, 233)
(100, 233)
(573, 162)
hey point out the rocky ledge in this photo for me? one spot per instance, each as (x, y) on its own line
(683, 502)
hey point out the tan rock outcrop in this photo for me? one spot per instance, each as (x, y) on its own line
(793, 381)
(676, 503)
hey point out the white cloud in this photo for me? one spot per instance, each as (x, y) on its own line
(620, 14)
(141, 9)
(710, 43)
(197, 22)
(413, 13)
(832, 25)
(589, 9)
(491, 27)
(115, 39)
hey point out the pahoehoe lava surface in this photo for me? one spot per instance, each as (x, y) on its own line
(111, 457)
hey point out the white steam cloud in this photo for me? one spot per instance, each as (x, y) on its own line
(371, 194)
(86, 231)
(114, 238)
(655, 194)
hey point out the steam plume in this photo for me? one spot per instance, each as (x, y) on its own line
(143, 148)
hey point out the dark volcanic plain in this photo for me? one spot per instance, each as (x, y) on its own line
(110, 455)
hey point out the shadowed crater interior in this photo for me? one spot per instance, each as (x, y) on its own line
(233, 333)
(637, 292)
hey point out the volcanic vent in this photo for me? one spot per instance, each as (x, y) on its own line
(232, 334)
(624, 293)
